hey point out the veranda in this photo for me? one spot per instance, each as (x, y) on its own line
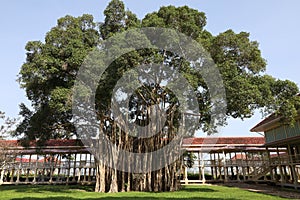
(220, 159)
(59, 162)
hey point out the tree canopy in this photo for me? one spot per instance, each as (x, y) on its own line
(51, 66)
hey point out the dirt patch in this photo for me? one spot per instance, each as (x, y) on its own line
(267, 189)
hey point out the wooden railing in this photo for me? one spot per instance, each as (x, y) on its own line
(47, 172)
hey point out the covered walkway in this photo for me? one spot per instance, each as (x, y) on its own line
(217, 159)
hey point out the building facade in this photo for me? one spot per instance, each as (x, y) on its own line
(284, 164)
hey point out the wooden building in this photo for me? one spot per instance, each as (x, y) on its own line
(69, 161)
(58, 162)
(228, 159)
(284, 166)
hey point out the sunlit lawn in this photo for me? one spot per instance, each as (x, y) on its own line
(61, 192)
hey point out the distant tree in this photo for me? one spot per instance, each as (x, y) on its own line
(6, 129)
(51, 67)
(7, 125)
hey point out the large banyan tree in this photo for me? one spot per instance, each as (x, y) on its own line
(134, 93)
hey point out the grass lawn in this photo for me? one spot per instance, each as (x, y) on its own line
(62, 192)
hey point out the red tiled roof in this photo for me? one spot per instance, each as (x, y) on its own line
(225, 140)
(52, 143)
(72, 142)
(187, 141)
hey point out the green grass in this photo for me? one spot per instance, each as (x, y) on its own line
(52, 192)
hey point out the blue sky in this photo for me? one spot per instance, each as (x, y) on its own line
(273, 23)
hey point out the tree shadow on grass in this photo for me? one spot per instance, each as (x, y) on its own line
(71, 188)
(122, 198)
(46, 188)
(52, 193)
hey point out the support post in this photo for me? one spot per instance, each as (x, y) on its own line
(225, 166)
(74, 169)
(211, 166)
(292, 166)
(202, 168)
(280, 168)
(185, 175)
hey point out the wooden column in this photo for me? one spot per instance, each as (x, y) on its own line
(35, 169)
(199, 165)
(19, 169)
(74, 169)
(13, 171)
(254, 168)
(79, 168)
(280, 168)
(247, 165)
(225, 166)
(59, 170)
(276, 174)
(231, 166)
(237, 168)
(185, 176)
(2, 175)
(265, 165)
(292, 166)
(90, 168)
(243, 163)
(270, 163)
(44, 169)
(85, 169)
(216, 166)
(51, 165)
(69, 169)
(285, 173)
(28, 169)
(211, 166)
(219, 167)
(202, 168)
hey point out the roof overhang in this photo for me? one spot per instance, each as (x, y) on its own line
(270, 122)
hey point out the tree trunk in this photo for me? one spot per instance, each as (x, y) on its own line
(100, 177)
(114, 183)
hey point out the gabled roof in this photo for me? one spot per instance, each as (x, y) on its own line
(261, 126)
(265, 124)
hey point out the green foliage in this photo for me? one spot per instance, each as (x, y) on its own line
(189, 159)
(51, 67)
(183, 19)
(117, 19)
(48, 76)
(7, 125)
(247, 87)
